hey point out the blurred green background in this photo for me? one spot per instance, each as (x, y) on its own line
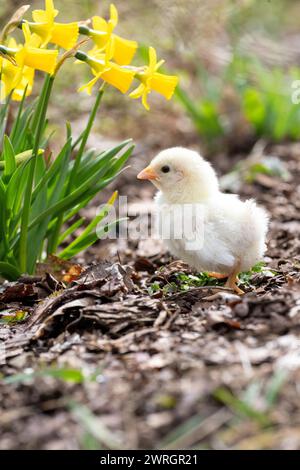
(236, 60)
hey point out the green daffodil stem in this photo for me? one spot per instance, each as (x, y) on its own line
(86, 135)
(42, 107)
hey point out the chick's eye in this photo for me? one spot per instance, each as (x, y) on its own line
(165, 169)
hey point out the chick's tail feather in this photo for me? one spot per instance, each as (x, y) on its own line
(256, 223)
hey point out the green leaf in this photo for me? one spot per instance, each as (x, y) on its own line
(15, 189)
(58, 191)
(87, 241)
(9, 158)
(3, 118)
(16, 128)
(54, 169)
(71, 230)
(120, 162)
(8, 271)
(254, 108)
(188, 104)
(95, 426)
(241, 407)
(4, 246)
(65, 374)
(84, 238)
(101, 161)
(275, 386)
(87, 188)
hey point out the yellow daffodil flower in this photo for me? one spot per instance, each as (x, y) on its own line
(31, 55)
(44, 26)
(109, 72)
(103, 36)
(153, 80)
(15, 79)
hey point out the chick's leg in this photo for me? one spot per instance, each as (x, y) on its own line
(233, 279)
(217, 275)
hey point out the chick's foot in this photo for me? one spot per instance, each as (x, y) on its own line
(232, 284)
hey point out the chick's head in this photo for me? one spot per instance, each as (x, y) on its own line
(182, 175)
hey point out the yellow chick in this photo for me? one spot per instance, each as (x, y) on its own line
(228, 234)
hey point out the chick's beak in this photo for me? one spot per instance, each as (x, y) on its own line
(147, 174)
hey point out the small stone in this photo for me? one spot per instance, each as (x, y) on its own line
(241, 310)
